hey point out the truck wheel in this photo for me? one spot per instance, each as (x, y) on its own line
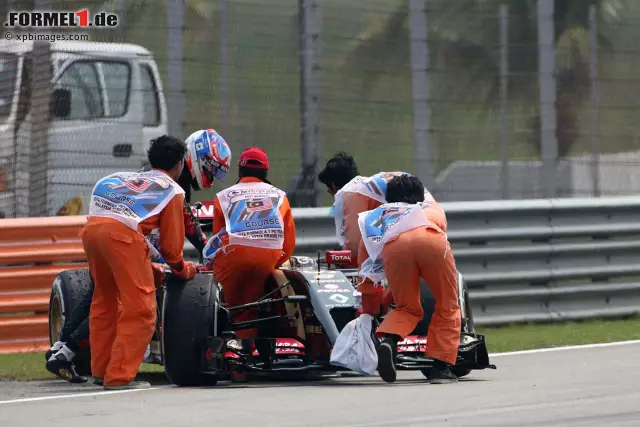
(69, 289)
(187, 319)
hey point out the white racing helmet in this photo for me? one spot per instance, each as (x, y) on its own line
(208, 158)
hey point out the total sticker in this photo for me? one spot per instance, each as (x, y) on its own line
(340, 299)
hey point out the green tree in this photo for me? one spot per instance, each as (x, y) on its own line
(464, 35)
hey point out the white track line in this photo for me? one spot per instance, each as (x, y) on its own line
(564, 348)
(71, 396)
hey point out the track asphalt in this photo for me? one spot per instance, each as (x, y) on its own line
(583, 386)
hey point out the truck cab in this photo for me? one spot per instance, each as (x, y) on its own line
(106, 104)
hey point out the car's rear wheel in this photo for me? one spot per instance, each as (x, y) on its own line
(428, 306)
(70, 288)
(187, 319)
(468, 324)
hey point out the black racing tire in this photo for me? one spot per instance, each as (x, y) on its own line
(468, 328)
(187, 319)
(69, 288)
(468, 325)
(428, 306)
(460, 371)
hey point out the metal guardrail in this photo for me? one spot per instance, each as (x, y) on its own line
(549, 260)
(531, 260)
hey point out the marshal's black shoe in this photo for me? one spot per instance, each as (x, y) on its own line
(387, 359)
(441, 374)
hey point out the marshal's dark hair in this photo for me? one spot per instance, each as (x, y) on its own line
(339, 170)
(405, 189)
(165, 152)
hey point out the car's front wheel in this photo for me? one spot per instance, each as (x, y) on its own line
(70, 290)
(187, 320)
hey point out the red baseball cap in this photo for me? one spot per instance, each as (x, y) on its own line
(257, 156)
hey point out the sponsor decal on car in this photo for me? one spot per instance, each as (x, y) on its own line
(340, 299)
(285, 342)
(330, 306)
(288, 350)
(412, 344)
(327, 275)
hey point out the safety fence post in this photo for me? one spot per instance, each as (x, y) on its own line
(41, 90)
(309, 13)
(547, 81)
(175, 57)
(423, 150)
(593, 77)
(504, 99)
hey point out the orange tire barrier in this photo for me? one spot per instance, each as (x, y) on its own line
(24, 333)
(32, 252)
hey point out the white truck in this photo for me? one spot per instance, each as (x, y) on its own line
(107, 102)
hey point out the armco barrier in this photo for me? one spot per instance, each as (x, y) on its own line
(32, 252)
(531, 260)
(546, 260)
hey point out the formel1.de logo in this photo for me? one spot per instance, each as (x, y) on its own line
(48, 19)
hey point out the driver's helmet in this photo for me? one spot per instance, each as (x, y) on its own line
(208, 157)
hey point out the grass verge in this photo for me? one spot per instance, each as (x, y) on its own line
(527, 337)
(30, 366)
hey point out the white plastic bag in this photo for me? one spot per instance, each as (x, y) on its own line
(354, 349)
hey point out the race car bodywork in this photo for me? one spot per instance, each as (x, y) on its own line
(297, 328)
(472, 351)
(306, 305)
